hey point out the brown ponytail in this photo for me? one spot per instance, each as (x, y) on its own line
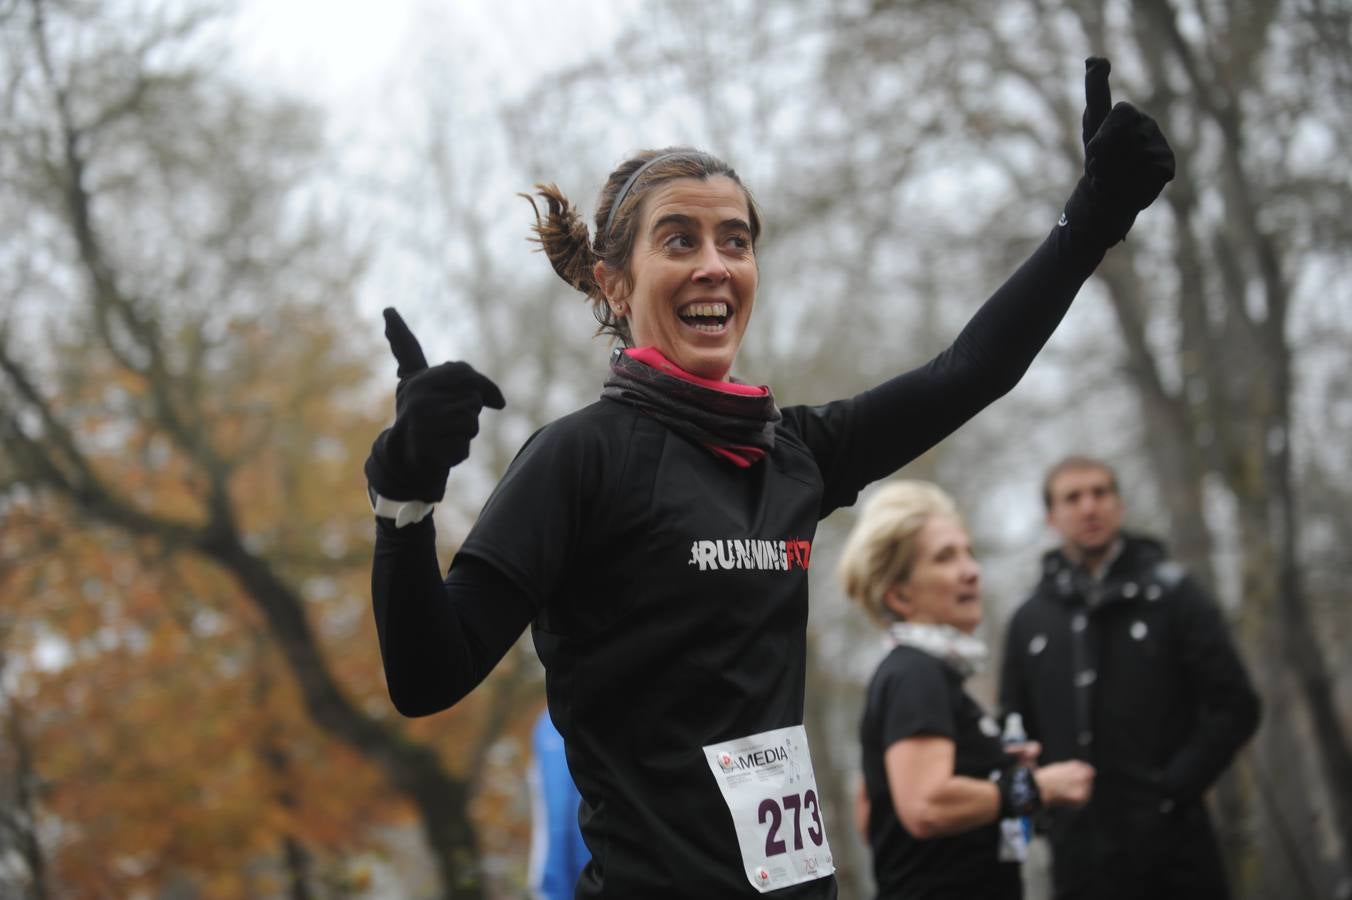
(563, 236)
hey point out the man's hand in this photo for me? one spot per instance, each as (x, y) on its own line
(436, 415)
(1069, 783)
(1025, 753)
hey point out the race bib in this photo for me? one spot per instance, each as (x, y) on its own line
(771, 791)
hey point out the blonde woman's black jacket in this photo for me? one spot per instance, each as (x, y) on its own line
(1137, 675)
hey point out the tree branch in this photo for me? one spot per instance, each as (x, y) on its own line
(112, 307)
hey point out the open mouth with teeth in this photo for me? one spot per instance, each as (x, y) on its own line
(710, 318)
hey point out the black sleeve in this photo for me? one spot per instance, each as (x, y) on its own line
(1229, 708)
(438, 639)
(915, 701)
(891, 424)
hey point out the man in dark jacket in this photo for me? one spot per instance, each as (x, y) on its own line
(1120, 659)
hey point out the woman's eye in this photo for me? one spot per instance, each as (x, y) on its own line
(679, 241)
(741, 242)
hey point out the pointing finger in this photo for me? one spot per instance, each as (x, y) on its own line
(1098, 98)
(407, 351)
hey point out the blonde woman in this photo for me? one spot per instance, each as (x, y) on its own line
(937, 780)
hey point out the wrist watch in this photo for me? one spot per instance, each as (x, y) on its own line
(403, 512)
(1019, 794)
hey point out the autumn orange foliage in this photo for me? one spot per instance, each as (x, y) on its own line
(170, 740)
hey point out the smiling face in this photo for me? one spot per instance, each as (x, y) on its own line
(692, 275)
(944, 584)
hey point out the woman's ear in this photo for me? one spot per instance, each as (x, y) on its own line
(607, 280)
(897, 602)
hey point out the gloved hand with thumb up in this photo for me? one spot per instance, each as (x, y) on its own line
(1127, 162)
(436, 414)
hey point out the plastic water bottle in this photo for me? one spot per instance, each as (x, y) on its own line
(1015, 831)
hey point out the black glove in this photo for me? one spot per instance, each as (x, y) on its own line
(436, 413)
(1127, 161)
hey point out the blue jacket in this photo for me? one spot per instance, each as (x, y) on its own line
(557, 854)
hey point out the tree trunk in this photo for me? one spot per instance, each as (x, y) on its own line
(24, 819)
(297, 861)
(415, 770)
(1245, 365)
(1300, 642)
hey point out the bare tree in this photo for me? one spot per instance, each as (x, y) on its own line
(161, 222)
(22, 863)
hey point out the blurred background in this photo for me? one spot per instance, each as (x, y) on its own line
(204, 205)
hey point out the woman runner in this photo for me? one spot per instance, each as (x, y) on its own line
(657, 540)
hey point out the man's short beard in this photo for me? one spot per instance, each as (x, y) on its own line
(1099, 557)
(1095, 549)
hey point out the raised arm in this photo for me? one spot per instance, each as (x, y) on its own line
(1127, 163)
(437, 639)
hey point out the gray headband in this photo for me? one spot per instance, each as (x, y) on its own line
(624, 190)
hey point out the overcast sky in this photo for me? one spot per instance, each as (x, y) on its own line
(345, 54)
(371, 71)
